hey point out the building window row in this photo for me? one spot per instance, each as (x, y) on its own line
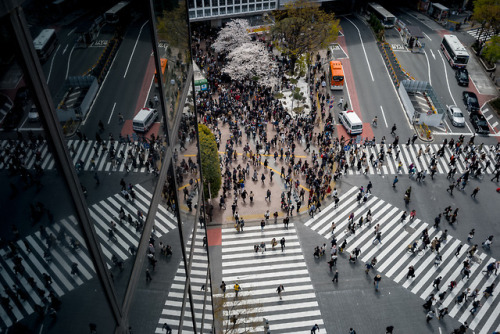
(228, 10)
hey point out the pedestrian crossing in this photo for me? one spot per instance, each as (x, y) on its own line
(68, 247)
(485, 36)
(409, 154)
(394, 259)
(86, 155)
(259, 274)
(173, 305)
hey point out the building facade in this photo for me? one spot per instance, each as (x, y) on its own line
(101, 222)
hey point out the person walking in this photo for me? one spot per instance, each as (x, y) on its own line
(369, 187)
(475, 305)
(450, 188)
(442, 313)
(280, 289)
(282, 243)
(314, 329)
(430, 315)
(395, 181)
(389, 329)
(411, 272)
(436, 282)
(262, 225)
(393, 130)
(148, 276)
(376, 281)
(471, 235)
(336, 275)
(223, 287)
(268, 196)
(474, 192)
(459, 248)
(237, 289)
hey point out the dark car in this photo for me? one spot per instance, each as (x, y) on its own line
(471, 102)
(462, 76)
(479, 123)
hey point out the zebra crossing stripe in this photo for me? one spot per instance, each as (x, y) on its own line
(394, 259)
(173, 304)
(59, 268)
(259, 274)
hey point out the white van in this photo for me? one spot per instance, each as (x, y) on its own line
(351, 122)
(144, 119)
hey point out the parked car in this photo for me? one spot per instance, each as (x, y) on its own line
(33, 115)
(479, 123)
(462, 76)
(455, 115)
(470, 101)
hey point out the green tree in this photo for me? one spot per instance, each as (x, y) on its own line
(303, 28)
(210, 166)
(491, 51)
(487, 13)
(171, 27)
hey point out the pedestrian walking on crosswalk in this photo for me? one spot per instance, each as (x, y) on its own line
(237, 289)
(280, 289)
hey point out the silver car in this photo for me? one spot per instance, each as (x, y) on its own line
(455, 115)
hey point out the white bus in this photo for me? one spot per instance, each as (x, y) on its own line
(117, 13)
(45, 43)
(388, 20)
(454, 51)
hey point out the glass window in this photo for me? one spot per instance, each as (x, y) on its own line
(199, 3)
(272, 5)
(259, 6)
(251, 8)
(215, 11)
(207, 3)
(244, 8)
(214, 3)
(199, 13)
(237, 2)
(207, 12)
(192, 14)
(222, 2)
(229, 9)
(244, 1)
(222, 10)
(229, 2)
(266, 5)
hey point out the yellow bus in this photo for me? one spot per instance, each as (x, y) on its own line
(336, 75)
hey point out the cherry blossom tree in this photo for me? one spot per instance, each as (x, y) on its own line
(253, 61)
(234, 34)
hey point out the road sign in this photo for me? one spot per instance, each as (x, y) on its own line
(347, 147)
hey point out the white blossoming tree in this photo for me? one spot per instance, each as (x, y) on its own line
(234, 34)
(251, 60)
